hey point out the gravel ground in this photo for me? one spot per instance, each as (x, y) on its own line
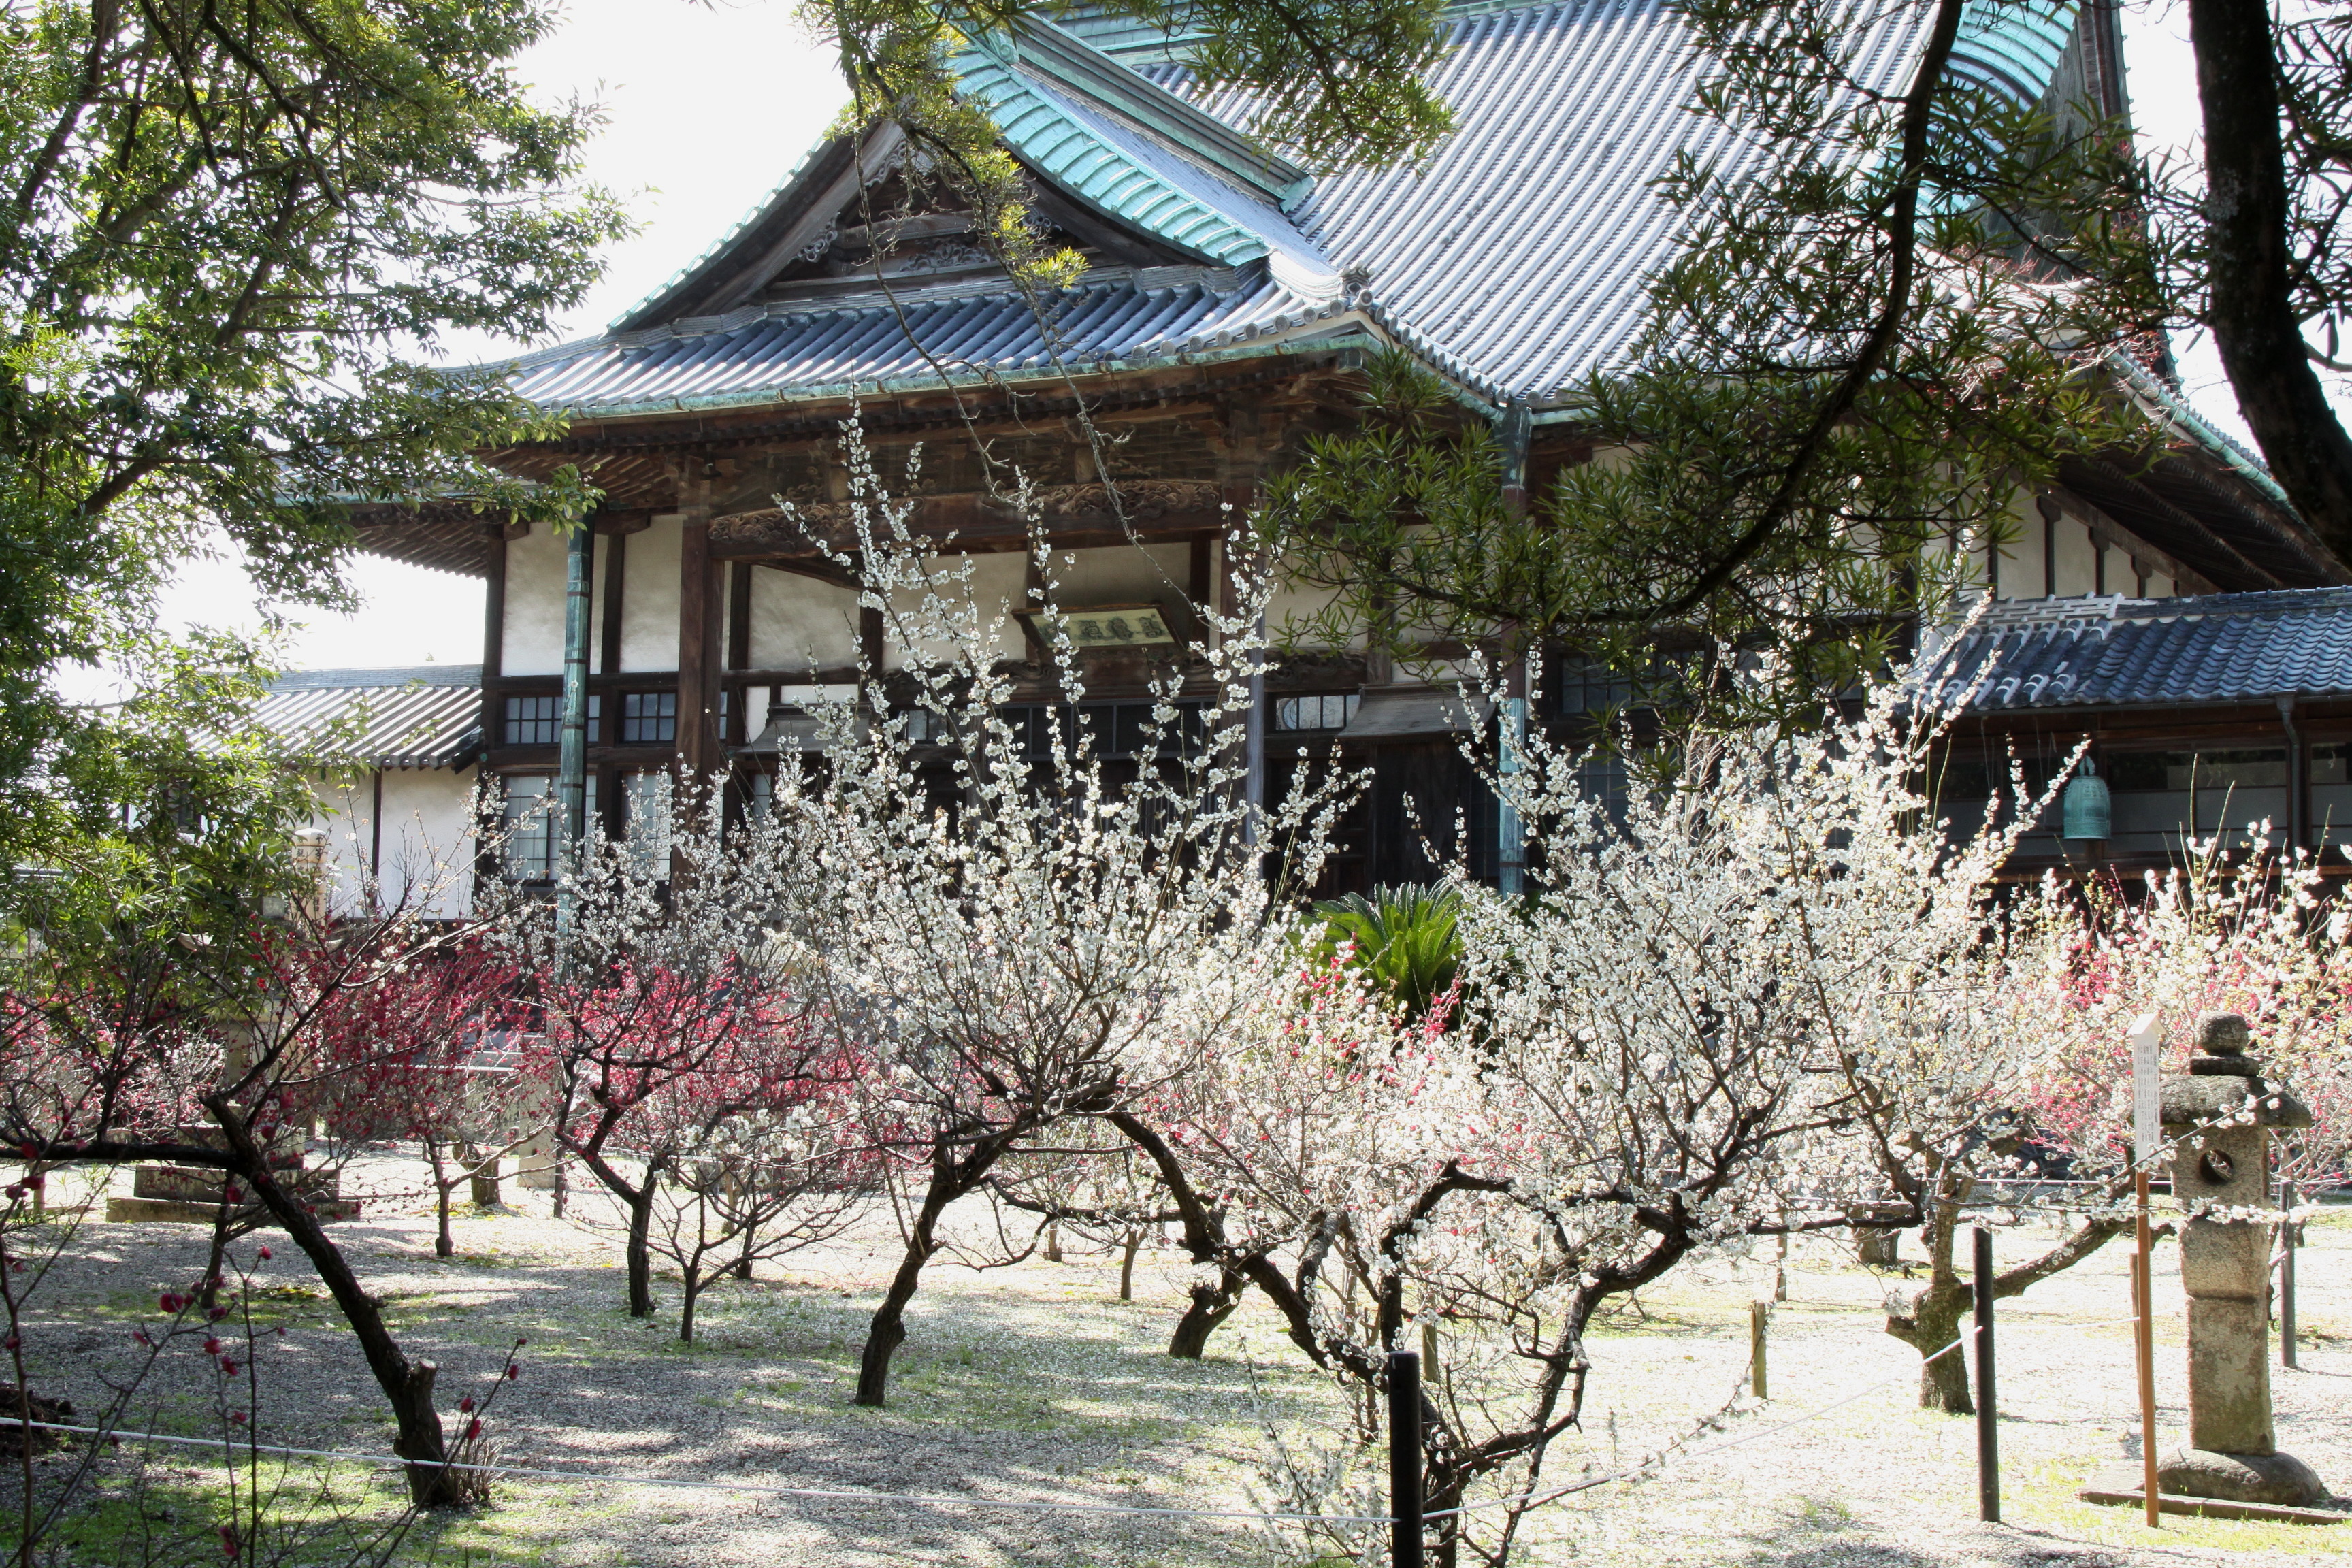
(1036, 1383)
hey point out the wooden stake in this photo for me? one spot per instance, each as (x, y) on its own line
(1758, 1314)
(1988, 1403)
(1404, 1459)
(2286, 1273)
(2143, 1305)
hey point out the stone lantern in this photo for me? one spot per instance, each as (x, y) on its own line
(2233, 1451)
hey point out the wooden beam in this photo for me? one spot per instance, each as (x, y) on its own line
(990, 543)
(1285, 380)
(815, 218)
(829, 675)
(890, 231)
(2083, 474)
(817, 568)
(1168, 509)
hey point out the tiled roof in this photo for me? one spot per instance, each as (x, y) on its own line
(1513, 256)
(803, 351)
(2041, 654)
(429, 716)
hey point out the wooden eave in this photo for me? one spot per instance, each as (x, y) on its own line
(2155, 726)
(2186, 505)
(443, 536)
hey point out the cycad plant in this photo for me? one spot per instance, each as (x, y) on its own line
(1404, 936)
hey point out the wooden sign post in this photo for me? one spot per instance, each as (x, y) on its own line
(2147, 1043)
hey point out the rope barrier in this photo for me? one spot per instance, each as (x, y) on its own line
(1533, 1499)
(823, 1493)
(827, 1494)
(1527, 1499)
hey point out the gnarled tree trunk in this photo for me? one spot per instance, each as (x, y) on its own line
(640, 1253)
(1213, 1302)
(407, 1385)
(1928, 1321)
(952, 1178)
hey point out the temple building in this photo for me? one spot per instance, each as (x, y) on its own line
(1229, 301)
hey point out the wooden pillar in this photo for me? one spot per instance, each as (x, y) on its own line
(1518, 435)
(738, 644)
(2047, 505)
(494, 639)
(2298, 777)
(1243, 445)
(1241, 496)
(375, 845)
(494, 634)
(738, 614)
(698, 753)
(870, 646)
(617, 572)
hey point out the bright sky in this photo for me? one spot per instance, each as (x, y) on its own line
(709, 106)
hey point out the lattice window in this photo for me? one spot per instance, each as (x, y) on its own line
(533, 721)
(648, 718)
(1324, 711)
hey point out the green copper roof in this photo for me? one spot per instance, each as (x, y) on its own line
(1131, 148)
(2014, 46)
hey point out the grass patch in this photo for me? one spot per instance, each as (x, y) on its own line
(2045, 1494)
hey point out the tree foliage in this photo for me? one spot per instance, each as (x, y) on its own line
(229, 240)
(1343, 83)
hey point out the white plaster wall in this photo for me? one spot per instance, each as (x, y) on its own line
(799, 622)
(997, 585)
(2022, 557)
(1289, 609)
(2160, 585)
(427, 841)
(533, 636)
(649, 597)
(2077, 559)
(2123, 576)
(1122, 575)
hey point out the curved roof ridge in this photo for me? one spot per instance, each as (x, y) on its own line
(1101, 151)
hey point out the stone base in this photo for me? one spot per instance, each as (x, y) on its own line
(2279, 1479)
(2118, 1486)
(173, 1211)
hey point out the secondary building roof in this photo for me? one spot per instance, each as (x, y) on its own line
(425, 716)
(2063, 654)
